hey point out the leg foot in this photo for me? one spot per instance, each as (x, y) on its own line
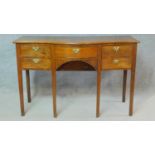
(23, 113)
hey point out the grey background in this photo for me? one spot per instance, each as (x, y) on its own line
(77, 90)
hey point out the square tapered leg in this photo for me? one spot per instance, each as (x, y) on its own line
(28, 86)
(124, 85)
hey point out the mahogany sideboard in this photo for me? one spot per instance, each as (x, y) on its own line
(75, 53)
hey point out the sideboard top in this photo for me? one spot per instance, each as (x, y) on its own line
(76, 39)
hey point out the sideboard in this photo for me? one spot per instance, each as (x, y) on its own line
(76, 53)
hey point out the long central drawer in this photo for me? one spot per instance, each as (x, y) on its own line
(75, 51)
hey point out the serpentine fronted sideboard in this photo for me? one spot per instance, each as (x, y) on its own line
(75, 53)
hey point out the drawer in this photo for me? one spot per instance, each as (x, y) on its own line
(116, 63)
(75, 52)
(36, 63)
(117, 51)
(35, 50)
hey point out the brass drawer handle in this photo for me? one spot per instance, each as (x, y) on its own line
(116, 61)
(36, 60)
(35, 48)
(76, 50)
(116, 49)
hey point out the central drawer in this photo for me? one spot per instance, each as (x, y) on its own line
(75, 52)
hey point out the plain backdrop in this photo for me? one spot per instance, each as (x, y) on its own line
(76, 91)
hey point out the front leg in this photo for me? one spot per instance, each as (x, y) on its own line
(54, 88)
(21, 95)
(124, 85)
(132, 88)
(28, 86)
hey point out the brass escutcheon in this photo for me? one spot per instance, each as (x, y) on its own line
(116, 61)
(116, 49)
(35, 60)
(76, 50)
(35, 48)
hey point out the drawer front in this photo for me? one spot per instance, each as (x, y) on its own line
(36, 63)
(116, 63)
(35, 50)
(117, 51)
(75, 52)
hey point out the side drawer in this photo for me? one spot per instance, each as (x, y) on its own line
(36, 63)
(35, 50)
(116, 63)
(117, 51)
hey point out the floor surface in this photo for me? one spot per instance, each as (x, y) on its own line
(77, 106)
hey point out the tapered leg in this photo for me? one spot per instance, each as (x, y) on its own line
(21, 95)
(54, 89)
(124, 85)
(28, 86)
(98, 91)
(132, 87)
